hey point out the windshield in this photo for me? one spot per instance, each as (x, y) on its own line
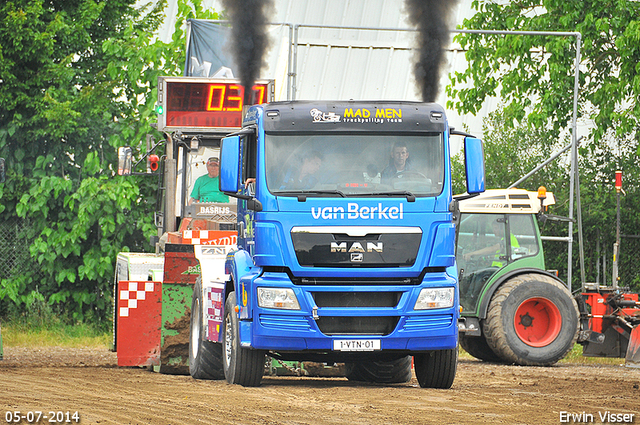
(355, 164)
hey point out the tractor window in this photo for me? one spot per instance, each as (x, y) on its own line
(524, 240)
(481, 251)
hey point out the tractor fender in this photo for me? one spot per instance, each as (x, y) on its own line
(484, 303)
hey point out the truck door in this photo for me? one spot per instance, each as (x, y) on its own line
(246, 216)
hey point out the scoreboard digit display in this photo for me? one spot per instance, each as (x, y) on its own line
(189, 103)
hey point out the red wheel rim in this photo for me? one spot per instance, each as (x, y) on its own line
(537, 322)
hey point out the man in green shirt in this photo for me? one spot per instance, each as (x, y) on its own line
(206, 188)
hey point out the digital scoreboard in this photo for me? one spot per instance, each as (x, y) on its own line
(191, 103)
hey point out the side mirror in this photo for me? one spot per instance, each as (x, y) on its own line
(2, 172)
(124, 160)
(230, 165)
(474, 164)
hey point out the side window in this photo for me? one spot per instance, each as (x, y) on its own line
(250, 148)
(481, 240)
(524, 241)
(249, 160)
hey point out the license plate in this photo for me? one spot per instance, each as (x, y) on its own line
(356, 344)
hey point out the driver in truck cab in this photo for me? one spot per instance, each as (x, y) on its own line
(206, 188)
(305, 177)
(398, 163)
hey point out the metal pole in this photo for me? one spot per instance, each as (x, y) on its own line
(574, 161)
(296, 30)
(169, 220)
(290, 73)
(580, 239)
(616, 246)
(541, 166)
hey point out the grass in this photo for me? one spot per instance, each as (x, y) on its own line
(42, 326)
(573, 357)
(79, 335)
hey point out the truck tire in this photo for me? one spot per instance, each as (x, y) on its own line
(390, 372)
(242, 365)
(205, 357)
(436, 369)
(477, 346)
(532, 320)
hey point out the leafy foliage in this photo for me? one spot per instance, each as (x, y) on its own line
(534, 76)
(78, 81)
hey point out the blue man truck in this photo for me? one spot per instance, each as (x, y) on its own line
(345, 244)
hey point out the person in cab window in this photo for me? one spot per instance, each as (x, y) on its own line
(207, 188)
(398, 163)
(498, 250)
(304, 177)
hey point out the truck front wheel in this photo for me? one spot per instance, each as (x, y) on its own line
(389, 372)
(205, 357)
(532, 320)
(436, 369)
(242, 366)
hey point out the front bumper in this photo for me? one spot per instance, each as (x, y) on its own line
(362, 316)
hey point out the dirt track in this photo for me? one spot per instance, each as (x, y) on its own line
(87, 381)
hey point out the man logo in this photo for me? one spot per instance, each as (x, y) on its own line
(356, 247)
(357, 257)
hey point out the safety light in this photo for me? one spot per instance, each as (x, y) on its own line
(159, 109)
(153, 162)
(542, 193)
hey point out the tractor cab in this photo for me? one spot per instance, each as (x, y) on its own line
(496, 230)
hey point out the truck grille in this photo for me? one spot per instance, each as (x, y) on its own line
(356, 299)
(332, 325)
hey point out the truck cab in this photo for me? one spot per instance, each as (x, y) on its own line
(345, 251)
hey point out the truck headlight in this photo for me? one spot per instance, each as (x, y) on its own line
(434, 298)
(283, 298)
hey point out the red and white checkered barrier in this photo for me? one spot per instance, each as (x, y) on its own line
(208, 237)
(197, 237)
(129, 298)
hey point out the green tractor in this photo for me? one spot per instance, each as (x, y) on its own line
(513, 309)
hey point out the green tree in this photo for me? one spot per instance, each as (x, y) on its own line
(78, 80)
(534, 76)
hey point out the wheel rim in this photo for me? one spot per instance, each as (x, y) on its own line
(228, 339)
(537, 322)
(195, 333)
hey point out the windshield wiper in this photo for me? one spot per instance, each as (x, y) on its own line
(410, 196)
(302, 194)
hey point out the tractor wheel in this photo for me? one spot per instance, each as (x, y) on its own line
(390, 372)
(477, 346)
(205, 357)
(436, 369)
(532, 320)
(242, 365)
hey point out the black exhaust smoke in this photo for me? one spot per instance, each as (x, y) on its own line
(431, 18)
(249, 19)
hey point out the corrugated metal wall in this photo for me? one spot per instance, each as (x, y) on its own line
(339, 63)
